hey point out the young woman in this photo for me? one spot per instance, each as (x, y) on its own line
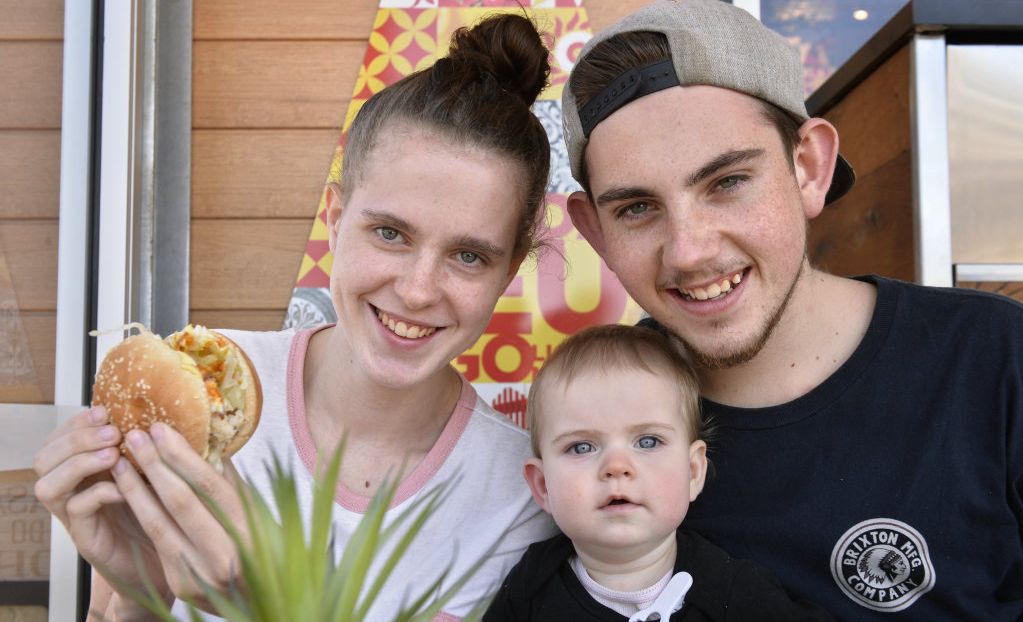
(443, 178)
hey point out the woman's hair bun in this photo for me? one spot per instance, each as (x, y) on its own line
(507, 47)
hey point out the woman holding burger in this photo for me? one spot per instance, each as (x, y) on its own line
(442, 183)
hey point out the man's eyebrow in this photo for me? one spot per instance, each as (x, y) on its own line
(388, 219)
(615, 195)
(724, 160)
(470, 243)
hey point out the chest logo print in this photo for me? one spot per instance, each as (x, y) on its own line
(882, 564)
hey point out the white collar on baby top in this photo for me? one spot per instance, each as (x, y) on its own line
(669, 601)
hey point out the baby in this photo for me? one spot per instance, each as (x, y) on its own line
(618, 457)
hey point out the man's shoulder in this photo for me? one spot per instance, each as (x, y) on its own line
(974, 315)
(941, 300)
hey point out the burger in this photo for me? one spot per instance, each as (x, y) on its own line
(197, 381)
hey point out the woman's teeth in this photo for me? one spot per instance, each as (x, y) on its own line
(403, 329)
(714, 290)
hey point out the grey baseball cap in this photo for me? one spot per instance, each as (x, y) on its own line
(712, 43)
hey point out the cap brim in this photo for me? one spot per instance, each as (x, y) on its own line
(841, 181)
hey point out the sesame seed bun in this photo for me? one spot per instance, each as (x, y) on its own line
(144, 379)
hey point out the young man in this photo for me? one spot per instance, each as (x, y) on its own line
(870, 447)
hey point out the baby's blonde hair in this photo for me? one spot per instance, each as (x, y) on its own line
(610, 348)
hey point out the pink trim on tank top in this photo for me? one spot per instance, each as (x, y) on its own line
(415, 480)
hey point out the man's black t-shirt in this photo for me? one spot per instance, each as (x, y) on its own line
(892, 490)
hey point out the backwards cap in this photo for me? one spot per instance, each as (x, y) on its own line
(712, 43)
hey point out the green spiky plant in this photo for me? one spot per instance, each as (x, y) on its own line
(287, 573)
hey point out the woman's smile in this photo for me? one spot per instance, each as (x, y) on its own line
(406, 329)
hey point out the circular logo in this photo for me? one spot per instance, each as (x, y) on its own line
(882, 564)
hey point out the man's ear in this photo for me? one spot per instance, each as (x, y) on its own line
(697, 468)
(583, 213)
(533, 472)
(334, 207)
(814, 163)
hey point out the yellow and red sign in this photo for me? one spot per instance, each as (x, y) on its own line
(567, 287)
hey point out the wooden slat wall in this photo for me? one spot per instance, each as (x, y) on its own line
(870, 230)
(31, 46)
(270, 83)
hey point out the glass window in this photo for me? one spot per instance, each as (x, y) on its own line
(827, 32)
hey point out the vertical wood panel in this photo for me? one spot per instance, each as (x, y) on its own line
(27, 375)
(25, 613)
(259, 173)
(30, 84)
(331, 19)
(29, 249)
(259, 84)
(29, 173)
(32, 19)
(870, 230)
(245, 264)
(41, 329)
(272, 19)
(30, 107)
(873, 119)
(31, 63)
(243, 319)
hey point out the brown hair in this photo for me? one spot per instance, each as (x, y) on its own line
(479, 95)
(610, 348)
(630, 50)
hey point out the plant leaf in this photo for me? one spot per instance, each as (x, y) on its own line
(288, 573)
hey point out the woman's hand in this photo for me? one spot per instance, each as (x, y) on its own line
(75, 486)
(185, 534)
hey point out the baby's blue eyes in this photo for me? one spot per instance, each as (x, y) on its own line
(648, 442)
(581, 448)
(586, 447)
